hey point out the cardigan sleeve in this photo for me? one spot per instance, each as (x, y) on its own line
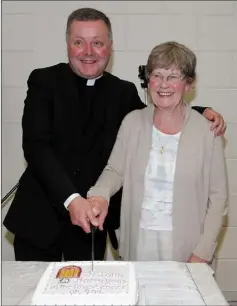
(111, 179)
(217, 204)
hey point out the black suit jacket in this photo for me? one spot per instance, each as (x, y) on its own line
(60, 158)
(67, 139)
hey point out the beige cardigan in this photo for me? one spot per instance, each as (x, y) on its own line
(200, 184)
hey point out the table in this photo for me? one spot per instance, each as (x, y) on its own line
(160, 283)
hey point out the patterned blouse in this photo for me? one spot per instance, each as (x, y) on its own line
(157, 202)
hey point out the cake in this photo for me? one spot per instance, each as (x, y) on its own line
(75, 283)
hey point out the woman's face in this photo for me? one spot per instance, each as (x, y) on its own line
(167, 87)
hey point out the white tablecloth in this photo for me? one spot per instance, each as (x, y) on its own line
(160, 283)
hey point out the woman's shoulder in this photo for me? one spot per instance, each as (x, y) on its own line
(136, 116)
(200, 119)
(200, 124)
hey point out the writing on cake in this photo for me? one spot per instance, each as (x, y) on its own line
(89, 282)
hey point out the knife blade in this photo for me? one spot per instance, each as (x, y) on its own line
(93, 229)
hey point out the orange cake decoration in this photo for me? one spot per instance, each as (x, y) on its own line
(69, 272)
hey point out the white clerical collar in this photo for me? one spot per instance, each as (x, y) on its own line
(91, 82)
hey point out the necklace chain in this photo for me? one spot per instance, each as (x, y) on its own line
(162, 147)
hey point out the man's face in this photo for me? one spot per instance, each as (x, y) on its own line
(89, 48)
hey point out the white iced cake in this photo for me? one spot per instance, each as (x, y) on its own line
(74, 283)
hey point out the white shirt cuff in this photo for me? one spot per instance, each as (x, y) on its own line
(69, 199)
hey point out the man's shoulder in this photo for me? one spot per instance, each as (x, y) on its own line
(119, 81)
(54, 68)
(49, 70)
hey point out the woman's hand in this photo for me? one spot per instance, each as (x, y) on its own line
(195, 259)
(100, 209)
(81, 213)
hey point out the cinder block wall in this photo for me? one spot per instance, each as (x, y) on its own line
(33, 35)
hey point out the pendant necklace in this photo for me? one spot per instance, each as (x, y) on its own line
(162, 147)
(162, 150)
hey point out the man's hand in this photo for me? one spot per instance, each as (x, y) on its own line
(100, 209)
(195, 259)
(218, 122)
(81, 214)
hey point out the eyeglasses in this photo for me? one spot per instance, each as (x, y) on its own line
(170, 79)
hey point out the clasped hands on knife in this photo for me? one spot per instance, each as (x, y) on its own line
(85, 211)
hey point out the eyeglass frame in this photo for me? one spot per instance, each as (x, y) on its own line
(177, 79)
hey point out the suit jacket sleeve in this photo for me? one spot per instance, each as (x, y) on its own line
(217, 206)
(199, 109)
(37, 123)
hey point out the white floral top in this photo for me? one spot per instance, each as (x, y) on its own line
(157, 202)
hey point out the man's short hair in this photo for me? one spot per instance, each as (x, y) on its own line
(88, 14)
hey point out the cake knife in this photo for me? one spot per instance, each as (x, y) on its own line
(93, 229)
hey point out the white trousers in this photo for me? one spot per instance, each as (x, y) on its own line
(154, 245)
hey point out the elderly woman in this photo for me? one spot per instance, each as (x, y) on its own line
(172, 169)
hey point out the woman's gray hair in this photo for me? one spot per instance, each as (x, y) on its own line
(88, 14)
(173, 55)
